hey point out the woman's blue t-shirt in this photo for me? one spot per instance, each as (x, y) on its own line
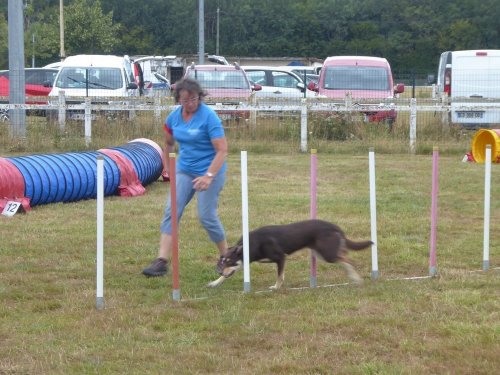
(194, 137)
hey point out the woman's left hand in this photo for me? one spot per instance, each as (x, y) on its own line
(202, 183)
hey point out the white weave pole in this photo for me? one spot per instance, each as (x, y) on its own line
(373, 213)
(99, 301)
(487, 188)
(244, 219)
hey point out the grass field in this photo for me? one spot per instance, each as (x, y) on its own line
(449, 324)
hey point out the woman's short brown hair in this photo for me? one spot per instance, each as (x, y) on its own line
(190, 85)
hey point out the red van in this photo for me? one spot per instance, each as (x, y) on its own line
(224, 84)
(364, 77)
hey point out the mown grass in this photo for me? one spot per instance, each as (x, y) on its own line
(445, 325)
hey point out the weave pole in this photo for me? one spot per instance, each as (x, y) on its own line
(487, 188)
(373, 213)
(244, 220)
(99, 300)
(313, 280)
(176, 292)
(432, 253)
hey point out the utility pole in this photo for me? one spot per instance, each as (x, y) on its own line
(16, 68)
(201, 31)
(61, 30)
(33, 52)
(217, 41)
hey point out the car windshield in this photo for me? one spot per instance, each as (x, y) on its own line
(96, 78)
(220, 79)
(356, 78)
(39, 77)
(35, 76)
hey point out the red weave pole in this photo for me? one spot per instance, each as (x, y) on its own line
(176, 293)
(313, 208)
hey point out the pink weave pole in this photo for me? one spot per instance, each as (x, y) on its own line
(176, 292)
(432, 253)
(313, 282)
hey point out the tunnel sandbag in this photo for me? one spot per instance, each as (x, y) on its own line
(129, 186)
(11, 185)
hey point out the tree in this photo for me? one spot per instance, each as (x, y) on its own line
(4, 43)
(88, 30)
(460, 35)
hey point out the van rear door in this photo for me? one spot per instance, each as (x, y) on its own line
(476, 77)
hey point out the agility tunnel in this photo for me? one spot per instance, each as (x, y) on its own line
(485, 137)
(40, 179)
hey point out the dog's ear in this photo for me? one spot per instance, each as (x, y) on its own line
(239, 250)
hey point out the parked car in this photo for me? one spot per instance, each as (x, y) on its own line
(470, 78)
(36, 80)
(277, 82)
(37, 83)
(97, 76)
(302, 70)
(363, 77)
(226, 84)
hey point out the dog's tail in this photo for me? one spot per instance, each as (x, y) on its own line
(357, 245)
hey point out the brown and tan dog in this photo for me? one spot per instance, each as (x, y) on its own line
(273, 243)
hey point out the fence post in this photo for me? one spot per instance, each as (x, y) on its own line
(157, 108)
(253, 114)
(413, 124)
(62, 110)
(88, 121)
(348, 105)
(303, 125)
(445, 115)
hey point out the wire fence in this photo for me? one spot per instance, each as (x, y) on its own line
(274, 125)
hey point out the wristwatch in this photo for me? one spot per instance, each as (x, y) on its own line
(211, 175)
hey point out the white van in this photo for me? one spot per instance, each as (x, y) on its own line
(95, 75)
(471, 79)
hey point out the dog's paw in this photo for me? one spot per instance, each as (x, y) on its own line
(358, 282)
(274, 287)
(213, 284)
(216, 283)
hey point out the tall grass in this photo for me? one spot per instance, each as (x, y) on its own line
(269, 132)
(444, 325)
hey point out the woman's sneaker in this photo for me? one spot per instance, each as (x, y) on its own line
(158, 267)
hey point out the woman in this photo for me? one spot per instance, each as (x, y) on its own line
(201, 167)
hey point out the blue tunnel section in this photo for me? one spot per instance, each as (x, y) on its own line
(70, 177)
(147, 162)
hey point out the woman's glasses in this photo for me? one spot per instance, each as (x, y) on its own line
(192, 99)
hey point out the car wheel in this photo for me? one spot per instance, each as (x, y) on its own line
(4, 115)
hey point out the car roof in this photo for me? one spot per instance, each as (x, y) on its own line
(5, 73)
(55, 65)
(94, 60)
(350, 60)
(213, 67)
